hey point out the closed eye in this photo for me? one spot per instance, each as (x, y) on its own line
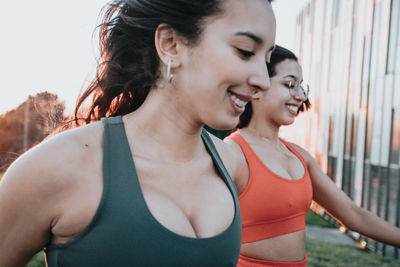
(245, 53)
(290, 85)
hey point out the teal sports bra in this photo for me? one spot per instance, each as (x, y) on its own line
(123, 232)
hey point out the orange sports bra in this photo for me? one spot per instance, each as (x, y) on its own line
(270, 204)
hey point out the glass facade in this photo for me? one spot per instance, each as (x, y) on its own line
(350, 53)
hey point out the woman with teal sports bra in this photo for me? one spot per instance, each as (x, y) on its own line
(141, 183)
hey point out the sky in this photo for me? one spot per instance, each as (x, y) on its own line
(48, 45)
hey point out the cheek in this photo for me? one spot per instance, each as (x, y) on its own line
(209, 74)
(279, 93)
(224, 66)
(273, 101)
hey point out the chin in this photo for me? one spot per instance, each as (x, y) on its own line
(227, 124)
(286, 121)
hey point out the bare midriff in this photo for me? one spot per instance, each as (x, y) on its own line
(287, 247)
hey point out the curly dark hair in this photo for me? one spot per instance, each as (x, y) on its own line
(278, 55)
(129, 64)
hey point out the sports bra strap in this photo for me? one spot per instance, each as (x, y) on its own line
(218, 161)
(246, 148)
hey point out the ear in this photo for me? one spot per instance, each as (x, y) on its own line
(167, 42)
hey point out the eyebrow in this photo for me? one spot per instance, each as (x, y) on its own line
(252, 36)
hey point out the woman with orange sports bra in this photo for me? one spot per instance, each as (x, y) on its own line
(281, 179)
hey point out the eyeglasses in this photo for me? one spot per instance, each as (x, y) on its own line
(294, 88)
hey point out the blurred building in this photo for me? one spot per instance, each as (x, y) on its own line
(350, 53)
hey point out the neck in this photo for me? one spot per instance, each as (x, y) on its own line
(163, 125)
(263, 129)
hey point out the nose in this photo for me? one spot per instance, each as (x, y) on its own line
(300, 95)
(259, 79)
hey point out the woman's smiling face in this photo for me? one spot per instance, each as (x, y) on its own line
(221, 73)
(281, 102)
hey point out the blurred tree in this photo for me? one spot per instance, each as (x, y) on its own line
(27, 125)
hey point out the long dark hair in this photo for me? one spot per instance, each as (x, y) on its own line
(278, 55)
(129, 64)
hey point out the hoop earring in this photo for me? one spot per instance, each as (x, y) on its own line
(169, 74)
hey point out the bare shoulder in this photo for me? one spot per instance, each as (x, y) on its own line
(233, 159)
(237, 151)
(226, 146)
(37, 185)
(225, 150)
(304, 153)
(233, 145)
(52, 165)
(58, 155)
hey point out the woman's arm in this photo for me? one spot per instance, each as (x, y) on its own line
(25, 216)
(40, 197)
(339, 205)
(240, 173)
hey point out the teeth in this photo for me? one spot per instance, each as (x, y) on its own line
(293, 108)
(238, 102)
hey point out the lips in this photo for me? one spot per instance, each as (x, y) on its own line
(293, 109)
(238, 101)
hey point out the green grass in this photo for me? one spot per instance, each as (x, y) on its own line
(315, 219)
(323, 254)
(37, 261)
